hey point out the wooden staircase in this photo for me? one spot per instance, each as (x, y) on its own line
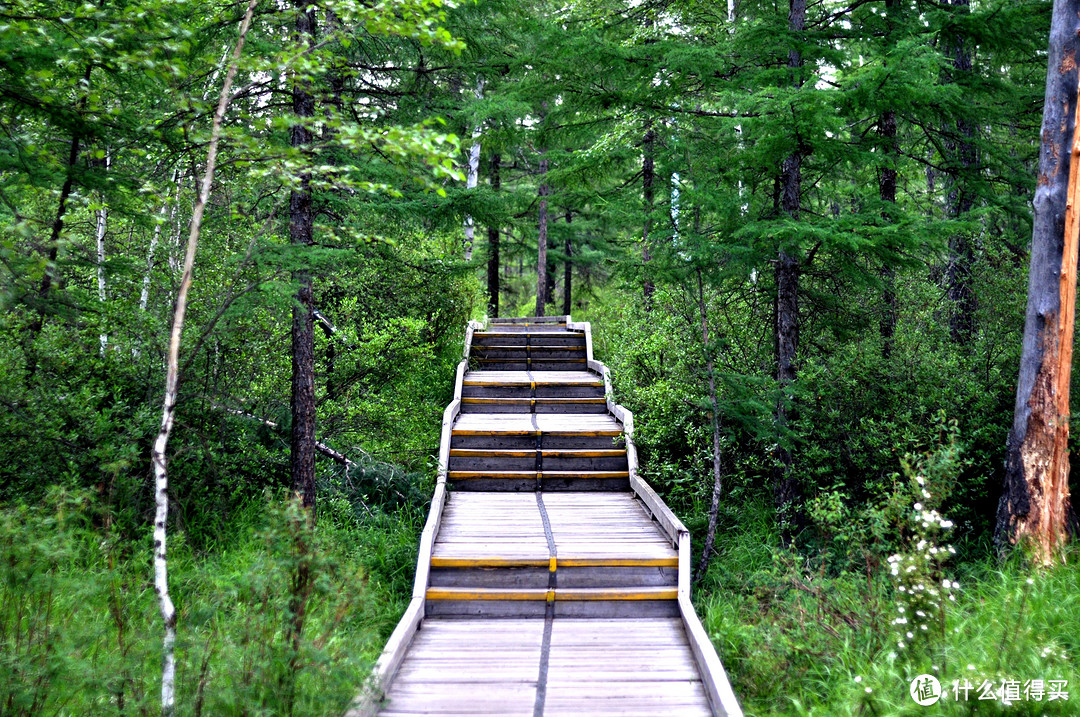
(551, 579)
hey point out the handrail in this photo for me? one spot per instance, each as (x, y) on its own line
(714, 678)
(374, 688)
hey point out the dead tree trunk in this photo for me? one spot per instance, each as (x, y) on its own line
(301, 234)
(785, 486)
(172, 382)
(493, 246)
(1034, 506)
(542, 244)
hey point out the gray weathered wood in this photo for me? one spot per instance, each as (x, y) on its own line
(625, 638)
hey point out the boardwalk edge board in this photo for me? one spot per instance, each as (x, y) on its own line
(714, 679)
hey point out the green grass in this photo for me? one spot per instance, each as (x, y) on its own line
(80, 632)
(797, 640)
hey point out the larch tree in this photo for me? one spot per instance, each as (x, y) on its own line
(785, 484)
(301, 234)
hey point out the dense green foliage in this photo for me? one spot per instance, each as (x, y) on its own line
(664, 125)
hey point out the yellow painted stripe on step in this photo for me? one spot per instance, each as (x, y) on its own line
(538, 475)
(485, 594)
(618, 594)
(672, 562)
(439, 562)
(550, 595)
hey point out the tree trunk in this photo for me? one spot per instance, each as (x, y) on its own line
(960, 201)
(648, 178)
(887, 192)
(472, 176)
(541, 260)
(493, 247)
(144, 295)
(714, 403)
(172, 380)
(785, 486)
(301, 233)
(568, 268)
(99, 234)
(1034, 505)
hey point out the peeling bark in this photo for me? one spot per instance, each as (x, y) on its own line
(172, 380)
(1034, 508)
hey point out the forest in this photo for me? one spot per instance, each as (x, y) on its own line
(240, 243)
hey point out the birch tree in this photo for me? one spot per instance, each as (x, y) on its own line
(158, 456)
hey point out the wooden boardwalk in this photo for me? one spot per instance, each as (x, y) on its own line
(551, 579)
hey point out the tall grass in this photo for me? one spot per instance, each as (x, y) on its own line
(798, 639)
(79, 633)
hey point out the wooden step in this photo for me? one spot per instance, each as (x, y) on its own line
(523, 347)
(526, 383)
(528, 458)
(529, 338)
(538, 391)
(584, 562)
(534, 360)
(553, 595)
(565, 602)
(548, 453)
(539, 475)
(508, 480)
(526, 320)
(539, 404)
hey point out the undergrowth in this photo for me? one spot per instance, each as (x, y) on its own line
(80, 633)
(809, 634)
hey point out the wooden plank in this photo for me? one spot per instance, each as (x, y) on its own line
(714, 678)
(381, 677)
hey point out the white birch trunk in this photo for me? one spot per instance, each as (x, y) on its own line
(172, 378)
(102, 219)
(144, 295)
(102, 223)
(473, 175)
